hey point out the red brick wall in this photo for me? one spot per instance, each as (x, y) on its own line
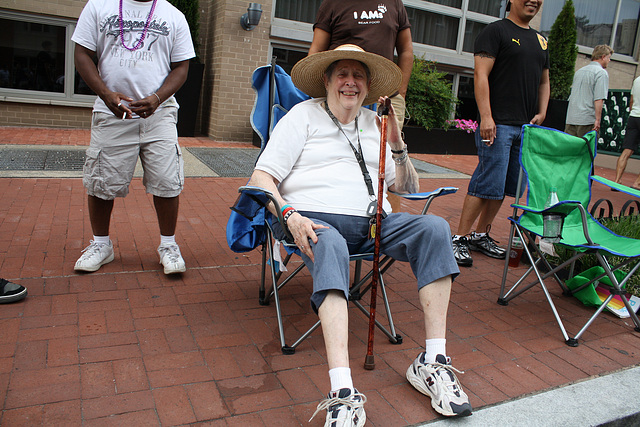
(20, 114)
(231, 55)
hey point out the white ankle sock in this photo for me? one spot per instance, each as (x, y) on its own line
(340, 378)
(101, 239)
(167, 240)
(434, 347)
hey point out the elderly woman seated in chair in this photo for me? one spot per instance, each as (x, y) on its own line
(312, 165)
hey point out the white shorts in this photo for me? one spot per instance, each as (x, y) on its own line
(116, 145)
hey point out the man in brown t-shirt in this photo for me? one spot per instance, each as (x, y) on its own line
(377, 27)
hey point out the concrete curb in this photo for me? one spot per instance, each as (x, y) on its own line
(610, 399)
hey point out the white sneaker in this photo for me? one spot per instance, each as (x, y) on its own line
(95, 256)
(171, 259)
(344, 408)
(439, 382)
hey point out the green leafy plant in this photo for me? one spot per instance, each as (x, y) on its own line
(430, 99)
(563, 52)
(191, 11)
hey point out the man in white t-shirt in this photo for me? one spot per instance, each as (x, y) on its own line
(318, 165)
(589, 89)
(142, 49)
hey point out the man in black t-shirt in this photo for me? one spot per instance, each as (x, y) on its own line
(511, 82)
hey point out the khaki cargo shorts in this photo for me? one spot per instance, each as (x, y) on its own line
(116, 145)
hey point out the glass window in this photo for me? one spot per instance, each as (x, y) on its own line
(80, 87)
(595, 22)
(627, 27)
(287, 58)
(467, 108)
(486, 7)
(452, 3)
(471, 32)
(433, 29)
(32, 56)
(298, 10)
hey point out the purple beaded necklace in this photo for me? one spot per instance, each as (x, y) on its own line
(144, 32)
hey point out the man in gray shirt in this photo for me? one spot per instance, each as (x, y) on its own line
(589, 90)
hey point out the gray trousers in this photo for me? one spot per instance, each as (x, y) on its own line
(424, 241)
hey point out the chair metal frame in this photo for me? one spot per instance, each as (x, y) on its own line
(538, 261)
(358, 288)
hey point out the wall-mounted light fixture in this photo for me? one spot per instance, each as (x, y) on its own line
(251, 19)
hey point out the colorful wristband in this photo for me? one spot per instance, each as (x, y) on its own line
(288, 214)
(286, 209)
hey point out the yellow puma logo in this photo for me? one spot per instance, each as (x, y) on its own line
(516, 41)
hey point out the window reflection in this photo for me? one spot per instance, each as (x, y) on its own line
(595, 22)
(298, 10)
(452, 3)
(433, 29)
(287, 58)
(627, 27)
(32, 56)
(467, 108)
(487, 7)
(471, 32)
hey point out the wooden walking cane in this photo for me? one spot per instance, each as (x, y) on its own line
(369, 361)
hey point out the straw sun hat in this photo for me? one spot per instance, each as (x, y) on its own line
(308, 73)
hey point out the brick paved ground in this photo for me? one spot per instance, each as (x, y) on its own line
(130, 346)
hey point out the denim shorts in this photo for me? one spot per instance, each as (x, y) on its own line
(424, 241)
(116, 145)
(498, 165)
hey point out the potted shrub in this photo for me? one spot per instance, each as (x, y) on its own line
(430, 106)
(189, 94)
(562, 57)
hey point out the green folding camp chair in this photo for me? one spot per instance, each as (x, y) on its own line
(550, 158)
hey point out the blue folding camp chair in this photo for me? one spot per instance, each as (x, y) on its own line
(250, 223)
(550, 158)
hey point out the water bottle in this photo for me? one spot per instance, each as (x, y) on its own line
(551, 222)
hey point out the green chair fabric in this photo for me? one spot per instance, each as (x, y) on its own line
(551, 158)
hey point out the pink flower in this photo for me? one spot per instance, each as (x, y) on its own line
(469, 126)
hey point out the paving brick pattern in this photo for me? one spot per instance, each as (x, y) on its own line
(130, 346)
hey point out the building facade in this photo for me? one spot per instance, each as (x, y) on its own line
(40, 87)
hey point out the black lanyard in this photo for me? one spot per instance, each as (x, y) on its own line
(356, 152)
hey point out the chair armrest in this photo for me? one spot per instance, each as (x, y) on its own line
(563, 208)
(428, 196)
(263, 197)
(620, 187)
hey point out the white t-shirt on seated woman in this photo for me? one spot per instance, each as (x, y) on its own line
(315, 166)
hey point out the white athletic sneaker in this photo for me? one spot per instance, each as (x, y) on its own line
(171, 259)
(439, 382)
(95, 256)
(344, 408)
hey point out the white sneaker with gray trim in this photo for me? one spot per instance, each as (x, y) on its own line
(345, 408)
(438, 381)
(95, 256)
(171, 259)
